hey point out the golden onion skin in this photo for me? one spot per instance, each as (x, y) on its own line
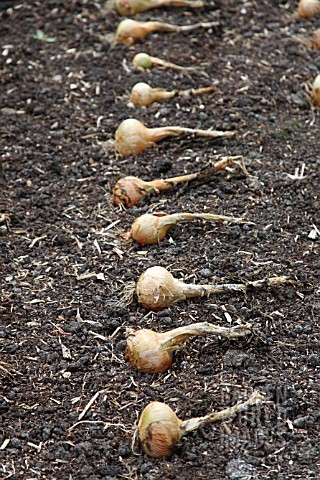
(144, 352)
(308, 9)
(158, 430)
(157, 289)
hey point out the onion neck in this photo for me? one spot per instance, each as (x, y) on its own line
(160, 94)
(182, 3)
(154, 26)
(168, 183)
(187, 426)
(159, 133)
(193, 290)
(170, 340)
(159, 185)
(195, 26)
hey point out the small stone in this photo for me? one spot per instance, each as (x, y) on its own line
(15, 442)
(238, 469)
(206, 273)
(298, 99)
(236, 359)
(124, 450)
(3, 334)
(314, 360)
(301, 422)
(39, 110)
(145, 467)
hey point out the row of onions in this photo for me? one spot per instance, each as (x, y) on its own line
(159, 429)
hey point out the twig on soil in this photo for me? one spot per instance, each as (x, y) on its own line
(90, 403)
(36, 240)
(106, 425)
(298, 174)
(7, 372)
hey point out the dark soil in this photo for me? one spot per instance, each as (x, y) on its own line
(64, 265)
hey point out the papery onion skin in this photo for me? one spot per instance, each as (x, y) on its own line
(130, 31)
(142, 60)
(142, 95)
(149, 229)
(128, 191)
(144, 352)
(132, 137)
(308, 9)
(158, 430)
(316, 91)
(157, 289)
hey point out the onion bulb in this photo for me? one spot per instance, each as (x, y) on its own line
(316, 39)
(160, 429)
(143, 61)
(133, 137)
(128, 191)
(157, 288)
(143, 95)
(152, 228)
(308, 8)
(130, 31)
(152, 352)
(316, 91)
(131, 7)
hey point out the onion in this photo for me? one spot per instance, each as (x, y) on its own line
(160, 429)
(143, 61)
(133, 137)
(157, 289)
(152, 352)
(152, 228)
(128, 191)
(316, 91)
(143, 95)
(130, 31)
(308, 8)
(131, 7)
